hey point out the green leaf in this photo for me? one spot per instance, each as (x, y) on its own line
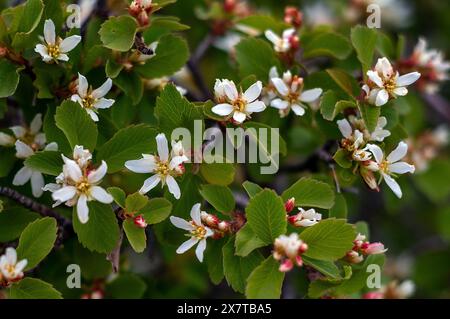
(309, 192)
(13, 221)
(53, 133)
(135, 202)
(136, 235)
(237, 269)
(118, 33)
(119, 195)
(266, 216)
(37, 241)
(92, 264)
(343, 158)
(7, 162)
(113, 69)
(101, 232)
(126, 286)
(251, 188)
(32, 13)
(46, 162)
(263, 22)
(171, 55)
(220, 197)
(127, 144)
(326, 44)
(255, 57)
(339, 210)
(218, 173)
(9, 77)
(370, 115)
(247, 241)
(345, 81)
(32, 288)
(131, 84)
(156, 211)
(330, 239)
(327, 268)
(364, 40)
(265, 281)
(214, 260)
(162, 26)
(330, 106)
(77, 125)
(434, 181)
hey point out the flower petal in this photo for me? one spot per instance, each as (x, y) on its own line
(42, 50)
(230, 90)
(279, 104)
(144, 165)
(22, 176)
(392, 183)
(104, 103)
(23, 150)
(174, 189)
(310, 95)
(401, 168)
(19, 131)
(53, 146)
(239, 117)
(83, 86)
(408, 79)
(93, 115)
(345, 128)
(37, 183)
(253, 92)
(149, 184)
(223, 109)
(280, 86)
(271, 36)
(73, 170)
(64, 194)
(257, 106)
(20, 266)
(401, 91)
(36, 124)
(63, 57)
(181, 223)
(83, 209)
(68, 44)
(382, 98)
(11, 255)
(176, 161)
(399, 152)
(196, 214)
(96, 175)
(200, 249)
(98, 193)
(163, 147)
(103, 90)
(298, 109)
(49, 32)
(187, 245)
(376, 151)
(375, 78)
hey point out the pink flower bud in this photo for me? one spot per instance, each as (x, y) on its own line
(286, 265)
(374, 248)
(139, 221)
(303, 248)
(293, 16)
(289, 205)
(354, 257)
(224, 226)
(299, 261)
(373, 295)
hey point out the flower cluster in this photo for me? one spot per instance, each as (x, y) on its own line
(165, 166)
(288, 250)
(11, 270)
(305, 218)
(385, 83)
(79, 183)
(362, 248)
(141, 10)
(28, 141)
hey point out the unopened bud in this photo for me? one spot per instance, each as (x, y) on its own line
(229, 5)
(286, 265)
(293, 16)
(374, 249)
(224, 226)
(140, 222)
(354, 257)
(289, 205)
(369, 178)
(299, 261)
(303, 248)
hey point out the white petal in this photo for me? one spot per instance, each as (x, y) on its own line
(98, 193)
(298, 109)
(42, 50)
(20, 266)
(18, 131)
(176, 161)
(392, 183)
(187, 245)
(280, 86)
(257, 106)
(399, 152)
(69, 43)
(382, 98)
(402, 91)
(96, 175)
(83, 209)
(375, 78)
(163, 147)
(223, 109)
(345, 128)
(83, 86)
(23, 150)
(200, 249)
(310, 95)
(239, 117)
(408, 79)
(73, 170)
(144, 165)
(149, 184)
(6, 140)
(181, 223)
(196, 214)
(230, 90)
(279, 104)
(53, 146)
(376, 151)
(174, 189)
(49, 32)
(384, 66)
(401, 168)
(253, 92)
(93, 115)
(37, 183)
(11, 255)
(36, 124)
(76, 98)
(63, 57)
(103, 90)
(104, 103)
(22, 176)
(65, 193)
(271, 36)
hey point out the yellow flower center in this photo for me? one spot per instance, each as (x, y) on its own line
(384, 166)
(239, 105)
(10, 268)
(53, 50)
(88, 101)
(83, 186)
(199, 232)
(390, 85)
(162, 168)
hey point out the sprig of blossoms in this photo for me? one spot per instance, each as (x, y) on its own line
(385, 83)
(54, 48)
(165, 166)
(237, 105)
(28, 141)
(288, 250)
(79, 183)
(198, 232)
(362, 248)
(11, 270)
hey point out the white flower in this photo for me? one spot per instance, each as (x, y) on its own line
(290, 90)
(385, 83)
(305, 218)
(353, 141)
(165, 167)
(79, 185)
(197, 231)
(55, 49)
(379, 133)
(10, 269)
(92, 100)
(287, 250)
(238, 105)
(391, 165)
(6, 140)
(284, 43)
